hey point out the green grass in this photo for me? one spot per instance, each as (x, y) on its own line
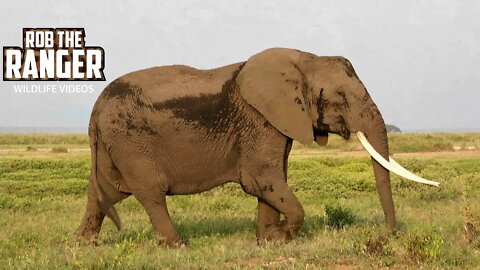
(42, 139)
(43, 196)
(432, 142)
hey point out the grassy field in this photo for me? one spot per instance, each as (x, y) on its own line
(410, 142)
(43, 196)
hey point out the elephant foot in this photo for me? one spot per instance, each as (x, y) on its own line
(173, 242)
(88, 236)
(276, 233)
(90, 227)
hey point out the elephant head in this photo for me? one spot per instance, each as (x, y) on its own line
(305, 97)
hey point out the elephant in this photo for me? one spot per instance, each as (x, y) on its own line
(177, 130)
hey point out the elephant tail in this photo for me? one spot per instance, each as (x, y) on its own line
(104, 203)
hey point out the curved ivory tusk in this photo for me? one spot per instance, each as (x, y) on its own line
(392, 166)
(395, 163)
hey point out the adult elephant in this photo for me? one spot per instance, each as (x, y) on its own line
(179, 130)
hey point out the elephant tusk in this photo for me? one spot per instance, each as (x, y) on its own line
(392, 165)
(422, 180)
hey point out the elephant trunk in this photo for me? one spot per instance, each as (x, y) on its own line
(373, 136)
(377, 135)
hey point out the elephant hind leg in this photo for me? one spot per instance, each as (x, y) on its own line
(156, 207)
(107, 177)
(149, 186)
(94, 216)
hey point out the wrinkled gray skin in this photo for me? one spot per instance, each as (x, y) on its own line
(178, 130)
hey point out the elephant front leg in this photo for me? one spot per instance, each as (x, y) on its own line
(269, 227)
(275, 197)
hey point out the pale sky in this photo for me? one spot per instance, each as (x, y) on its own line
(420, 60)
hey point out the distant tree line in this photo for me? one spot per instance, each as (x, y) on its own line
(392, 128)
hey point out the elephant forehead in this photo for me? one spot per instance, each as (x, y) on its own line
(170, 82)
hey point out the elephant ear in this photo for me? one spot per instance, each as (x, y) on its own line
(272, 83)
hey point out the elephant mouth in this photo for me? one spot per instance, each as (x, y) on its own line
(321, 137)
(391, 164)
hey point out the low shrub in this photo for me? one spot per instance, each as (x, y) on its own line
(338, 217)
(59, 150)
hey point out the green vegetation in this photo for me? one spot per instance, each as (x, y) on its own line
(31, 149)
(432, 142)
(60, 149)
(38, 139)
(42, 141)
(406, 143)
(337, 217)
(43, 196)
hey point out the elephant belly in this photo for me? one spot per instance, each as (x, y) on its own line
(182, 170)
(195, 168)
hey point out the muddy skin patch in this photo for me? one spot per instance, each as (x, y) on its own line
(339, 128)
(350, 71)
(139, 102)
(139, 127)
(304, 87)
(322, 104)
(369, 109)
(131, 124)
(367, 112)
(268, 188)
(114, 121)
(366, 97)
(120, 89)
(370, 112)
(298, 101)
(345, 103)
(212, 111)
(291, 81)
(344, 132)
